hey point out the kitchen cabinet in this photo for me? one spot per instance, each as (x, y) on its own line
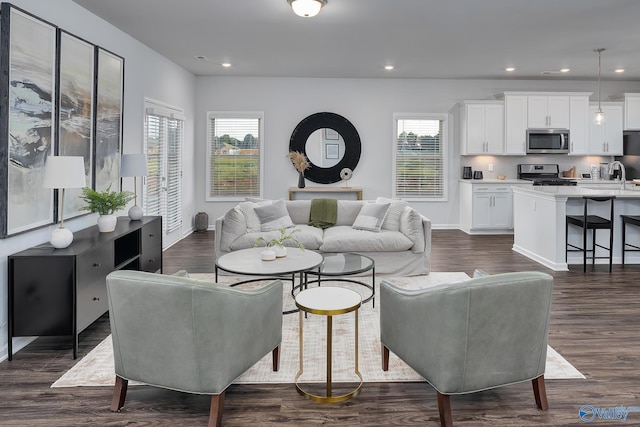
(632, 111)
(515, 122)
(482, 127)
(606, 139)
(487, 208)
(579, 125)
(545, 112)
(60, 292)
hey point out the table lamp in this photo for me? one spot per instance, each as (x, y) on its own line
(61, 172)
(134, 165)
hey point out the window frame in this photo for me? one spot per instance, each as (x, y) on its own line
(259, 115)
(444, 146)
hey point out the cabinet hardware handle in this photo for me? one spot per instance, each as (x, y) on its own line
(96, 264)
(151, 235)
(96, 299)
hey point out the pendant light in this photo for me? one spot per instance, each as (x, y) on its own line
(307, 8)
(598, 119)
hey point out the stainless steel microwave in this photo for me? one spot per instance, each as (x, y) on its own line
(548, 141)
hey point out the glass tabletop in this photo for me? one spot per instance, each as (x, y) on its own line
(338, 264)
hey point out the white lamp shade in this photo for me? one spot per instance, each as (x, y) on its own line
(64, 172)
(307, 8)
(133, 165)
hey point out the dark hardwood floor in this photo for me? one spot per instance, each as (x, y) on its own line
(594, 324)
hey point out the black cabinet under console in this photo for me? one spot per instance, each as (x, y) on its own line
(59, 292)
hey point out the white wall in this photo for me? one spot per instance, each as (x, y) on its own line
(369, 105)
(147, 74)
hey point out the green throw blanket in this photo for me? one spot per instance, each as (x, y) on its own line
(323, 212)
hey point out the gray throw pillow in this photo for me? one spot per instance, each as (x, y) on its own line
(371, 216)
(274, 216)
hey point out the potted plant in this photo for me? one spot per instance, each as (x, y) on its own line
(300, 163)
(105, 203)
(276, 245)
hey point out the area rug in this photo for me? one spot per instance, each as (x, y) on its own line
(96, 368)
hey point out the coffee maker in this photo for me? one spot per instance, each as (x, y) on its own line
(467, 173)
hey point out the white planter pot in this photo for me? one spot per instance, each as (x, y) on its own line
(107, 223)
(268, 254)
(281, 252)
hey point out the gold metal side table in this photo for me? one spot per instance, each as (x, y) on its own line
(328, 301)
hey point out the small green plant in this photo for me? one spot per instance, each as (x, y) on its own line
(285, 234)
(105, 202)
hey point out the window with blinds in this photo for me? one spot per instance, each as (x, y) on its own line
(420, 156)
(163, 185)
(234, 159)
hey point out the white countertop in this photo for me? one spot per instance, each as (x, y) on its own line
(495, 181)
(566, 191)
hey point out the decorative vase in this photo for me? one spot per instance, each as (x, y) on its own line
(300, 180)
(107, 223)
(280, 251)
(268, 254)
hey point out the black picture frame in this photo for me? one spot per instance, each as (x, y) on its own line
(109, 93)
(28, 75)
(76, 107)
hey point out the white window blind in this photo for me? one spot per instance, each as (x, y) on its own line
(163, 145)
(420, 157)
(234, 163)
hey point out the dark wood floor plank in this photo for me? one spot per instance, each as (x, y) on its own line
(594, 324)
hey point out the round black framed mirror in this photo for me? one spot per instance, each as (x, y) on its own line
(336, 133)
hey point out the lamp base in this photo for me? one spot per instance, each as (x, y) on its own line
(135, 212)
(61, 238)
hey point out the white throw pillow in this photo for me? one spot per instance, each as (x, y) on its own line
(371, 216)
(250, 216)
(274, 216)
(392, 220)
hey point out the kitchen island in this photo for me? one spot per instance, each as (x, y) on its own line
(539, 214)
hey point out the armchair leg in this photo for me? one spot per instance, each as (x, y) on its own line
(444, 408)
(275, 357)
(119, 394)
(217, 408)
(540, 392)
(385, 358)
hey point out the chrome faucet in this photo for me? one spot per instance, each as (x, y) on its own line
(623, 176)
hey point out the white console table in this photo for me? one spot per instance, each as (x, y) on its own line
(352, 193)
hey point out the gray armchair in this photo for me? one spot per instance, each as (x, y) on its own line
(470, 336)
(187, 335)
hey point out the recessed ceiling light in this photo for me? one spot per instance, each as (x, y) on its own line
(565, 70)
(510, 69)
(619, 70)
(389, 67)
(226, 64)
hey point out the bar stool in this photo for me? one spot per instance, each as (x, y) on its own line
(593, 223)
(631, 220)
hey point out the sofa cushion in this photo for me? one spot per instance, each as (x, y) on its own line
(234, 226)
(274, 216)
(348, 210)
(343, 238)
(371, 216)
(310, 237)
(250, 216)
(299, 210)
(411, 226)
(396, 208)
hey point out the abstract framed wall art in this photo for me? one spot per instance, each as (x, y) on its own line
(75, 110)
(27, 119)
(108, 112)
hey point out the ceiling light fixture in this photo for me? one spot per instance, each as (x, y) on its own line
(226, 64)
(389, 67)
(619, 70)
(307, 8)
(565, 70)
(598, 119)
(510, 69)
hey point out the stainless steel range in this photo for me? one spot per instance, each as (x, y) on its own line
(543, 174)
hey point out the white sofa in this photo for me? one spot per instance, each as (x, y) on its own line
(402, 247)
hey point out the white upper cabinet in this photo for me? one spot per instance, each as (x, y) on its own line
(545, 112)
(482, 127)
(579, 125)
(515, 122)
(606, 139)
(631, 111)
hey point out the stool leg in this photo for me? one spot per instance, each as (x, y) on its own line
(611, 246)
(624, 230)
(584, 248)
(593, 246)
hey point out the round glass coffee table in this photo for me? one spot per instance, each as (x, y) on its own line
(248, 262)
(346, 264)
(328, 301)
